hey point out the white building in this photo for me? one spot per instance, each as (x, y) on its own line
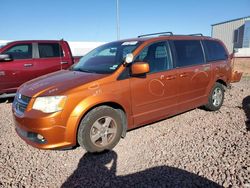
(235, 34)
(81, 48)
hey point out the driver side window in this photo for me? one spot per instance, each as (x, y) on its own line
(158, 56)
(21, 51)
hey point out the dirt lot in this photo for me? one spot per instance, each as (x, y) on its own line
(194, 149)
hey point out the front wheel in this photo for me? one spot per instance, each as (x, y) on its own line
(100, 129)
(215, 98)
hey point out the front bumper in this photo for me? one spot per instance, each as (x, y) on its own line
(43, 131)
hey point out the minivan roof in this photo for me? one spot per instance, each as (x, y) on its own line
(167, 37)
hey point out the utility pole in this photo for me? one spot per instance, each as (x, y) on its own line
(117, 20)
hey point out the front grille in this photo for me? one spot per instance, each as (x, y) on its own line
(20, 103)
(25, 99)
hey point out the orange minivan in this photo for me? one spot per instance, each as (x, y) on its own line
(120, 86)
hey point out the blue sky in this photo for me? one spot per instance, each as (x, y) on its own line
(95, 20)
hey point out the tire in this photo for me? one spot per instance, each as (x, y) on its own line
(100, 129)
(215, 98)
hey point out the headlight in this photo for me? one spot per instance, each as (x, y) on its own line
(49, 104)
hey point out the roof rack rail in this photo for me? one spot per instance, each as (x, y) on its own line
(151, 34)
(196, 34)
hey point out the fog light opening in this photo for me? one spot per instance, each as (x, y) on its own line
(40, 138)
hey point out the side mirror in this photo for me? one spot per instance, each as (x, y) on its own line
(140, 68)
(5, 57)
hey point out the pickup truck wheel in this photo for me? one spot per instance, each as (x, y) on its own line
(100, 129)
(216, 97)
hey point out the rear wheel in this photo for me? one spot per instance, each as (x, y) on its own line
(216, 97)
(100, 129)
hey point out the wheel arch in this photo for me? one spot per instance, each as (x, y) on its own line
(222, 82)
(111, 104)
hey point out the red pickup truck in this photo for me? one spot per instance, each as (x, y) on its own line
(21, 61)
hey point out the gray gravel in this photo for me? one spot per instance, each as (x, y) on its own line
(194, 149)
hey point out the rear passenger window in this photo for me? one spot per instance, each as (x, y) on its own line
(189, 52)
(21, 51)
(215, 51)
(49, 50)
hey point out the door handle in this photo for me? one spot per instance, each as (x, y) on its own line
(170, 77)
(183, 75)
(28, 65)
(64, 62)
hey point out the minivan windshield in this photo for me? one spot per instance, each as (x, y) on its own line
(106, 58)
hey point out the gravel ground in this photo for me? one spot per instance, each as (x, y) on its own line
(194, 149)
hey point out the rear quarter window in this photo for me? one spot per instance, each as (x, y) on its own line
(215, 51)
(189, 52)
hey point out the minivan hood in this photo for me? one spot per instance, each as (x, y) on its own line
(57, 82)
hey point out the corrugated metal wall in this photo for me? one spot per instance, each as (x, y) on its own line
(225, 32)
(246, 40)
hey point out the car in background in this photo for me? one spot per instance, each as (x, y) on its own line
(21, 61)
(120, 86)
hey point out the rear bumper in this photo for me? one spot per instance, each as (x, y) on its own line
(236, 76)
